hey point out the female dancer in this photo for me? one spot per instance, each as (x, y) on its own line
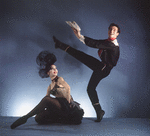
(109, 55)
(62, 108)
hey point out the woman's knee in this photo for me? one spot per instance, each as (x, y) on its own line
(46, 99)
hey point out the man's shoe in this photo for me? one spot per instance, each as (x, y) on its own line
(59, 44)
(101, 114)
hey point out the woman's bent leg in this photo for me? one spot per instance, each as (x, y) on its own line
(46, 102)
(46, 117)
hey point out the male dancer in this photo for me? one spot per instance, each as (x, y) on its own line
(109, 55)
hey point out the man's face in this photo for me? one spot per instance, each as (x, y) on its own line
(113, 32)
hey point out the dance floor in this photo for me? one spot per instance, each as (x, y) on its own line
(107, 127)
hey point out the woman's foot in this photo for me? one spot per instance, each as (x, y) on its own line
(19, 122)
(100, 116)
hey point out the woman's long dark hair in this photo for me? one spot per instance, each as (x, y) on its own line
(45, 59)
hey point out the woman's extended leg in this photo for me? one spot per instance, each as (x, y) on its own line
(46, 102)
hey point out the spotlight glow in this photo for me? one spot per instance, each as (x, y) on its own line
(23, 108)
(88, 109)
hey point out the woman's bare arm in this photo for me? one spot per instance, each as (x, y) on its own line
(62, 82)
(48, 90)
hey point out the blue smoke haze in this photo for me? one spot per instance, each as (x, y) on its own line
(27, 27)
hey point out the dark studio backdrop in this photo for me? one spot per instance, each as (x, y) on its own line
(26, 29)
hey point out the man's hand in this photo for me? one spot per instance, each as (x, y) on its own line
(76, 32)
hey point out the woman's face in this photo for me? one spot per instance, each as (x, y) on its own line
(53, 71)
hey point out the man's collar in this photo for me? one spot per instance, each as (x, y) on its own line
(115, 42)
(111, 39)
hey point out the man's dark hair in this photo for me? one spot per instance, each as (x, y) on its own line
(113, 24)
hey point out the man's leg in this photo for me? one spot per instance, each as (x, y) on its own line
(88, 60)
(91, 90)
(97, 75)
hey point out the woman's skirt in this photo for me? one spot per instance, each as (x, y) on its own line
(71, 113)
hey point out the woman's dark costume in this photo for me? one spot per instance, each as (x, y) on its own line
(52, 110)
